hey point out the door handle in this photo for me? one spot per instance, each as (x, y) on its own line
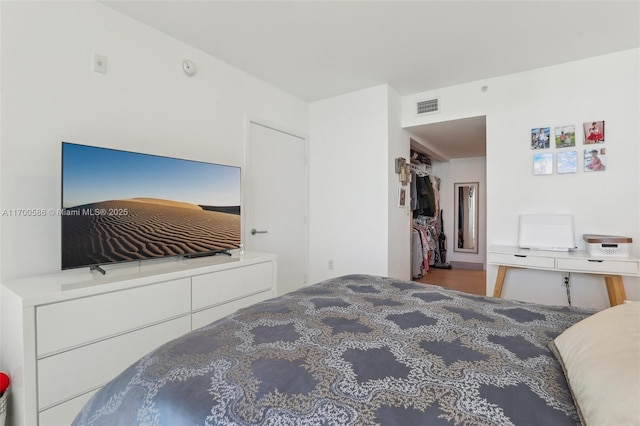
(254, 232)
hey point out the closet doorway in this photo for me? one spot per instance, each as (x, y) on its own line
(457, 153)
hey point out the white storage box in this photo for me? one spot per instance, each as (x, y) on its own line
(608, 245)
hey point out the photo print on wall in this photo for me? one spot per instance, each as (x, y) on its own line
(593, 132)
(543, 164)
(567, 162)
(595, 160)
(565, 136)
(402, 197)
(540, 137)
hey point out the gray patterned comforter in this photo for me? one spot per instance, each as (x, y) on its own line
(355, 350)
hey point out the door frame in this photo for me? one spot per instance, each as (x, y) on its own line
(248, 121)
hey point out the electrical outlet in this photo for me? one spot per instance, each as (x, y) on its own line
(331, 265)
(99, 63)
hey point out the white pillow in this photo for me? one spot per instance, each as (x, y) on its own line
(600, 356)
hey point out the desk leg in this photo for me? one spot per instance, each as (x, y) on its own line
(615, 289)
(497, 290)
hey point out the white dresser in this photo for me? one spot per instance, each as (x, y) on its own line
(66, 334)
(610, 267)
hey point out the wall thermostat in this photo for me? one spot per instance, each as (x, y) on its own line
(188, 67)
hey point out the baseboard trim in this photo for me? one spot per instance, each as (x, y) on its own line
(467, 265)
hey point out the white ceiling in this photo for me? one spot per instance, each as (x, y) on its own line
(319, 49)
(461, 138)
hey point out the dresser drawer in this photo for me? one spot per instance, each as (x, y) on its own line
(526, 261)
(594, 266)
(207, 316)
(63, 414)
(80, 370)
(219, 287)
(75, 322)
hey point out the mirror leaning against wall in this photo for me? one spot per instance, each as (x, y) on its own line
(466, 217)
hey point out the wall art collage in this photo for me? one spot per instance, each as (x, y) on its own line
(565, 140)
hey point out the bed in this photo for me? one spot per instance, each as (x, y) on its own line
(355, 350)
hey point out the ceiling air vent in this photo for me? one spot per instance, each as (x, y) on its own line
(427, 107)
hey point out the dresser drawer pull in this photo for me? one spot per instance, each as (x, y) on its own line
(595, 260)
(520, 255)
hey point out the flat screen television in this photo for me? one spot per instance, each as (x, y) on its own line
(121, 206)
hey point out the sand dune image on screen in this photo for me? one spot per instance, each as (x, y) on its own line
(144, 228)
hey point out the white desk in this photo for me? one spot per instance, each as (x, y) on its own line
(612, 268)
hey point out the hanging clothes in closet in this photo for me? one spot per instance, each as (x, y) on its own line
(425, 194)
(425, 203)
(417, 256)
(424, 243)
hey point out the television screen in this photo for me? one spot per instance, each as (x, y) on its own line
(120, 206)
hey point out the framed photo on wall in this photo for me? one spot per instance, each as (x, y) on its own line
(595, 160)
(543, 164)
(565, 136)
(567, 162)
(540, 137)
(593, 132)
(402, 196)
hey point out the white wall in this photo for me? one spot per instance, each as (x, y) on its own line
(457, 171)
(144, 103)
(348, 191)
(599, 88)
(399, 228)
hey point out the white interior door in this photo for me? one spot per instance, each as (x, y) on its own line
(276, 201)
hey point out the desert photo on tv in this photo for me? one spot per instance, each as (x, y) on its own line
(120, 206)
